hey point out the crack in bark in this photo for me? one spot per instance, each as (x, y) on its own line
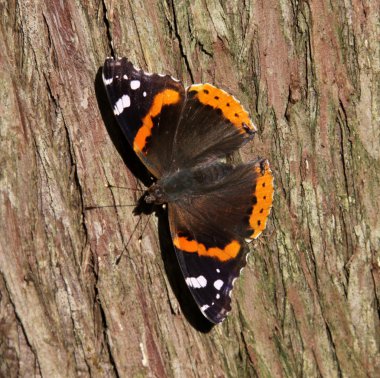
(377, 302)
(77, 184)
(246, 348)
(203, 49)
(333, 348)
(73, 166)
(346, 241)
(105, 327)
(181, 47)
(300, 339)
(51, 43)
(342, 150)
(20, 323)
(108, 29)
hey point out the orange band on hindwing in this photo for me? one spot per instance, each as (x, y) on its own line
(229, 252)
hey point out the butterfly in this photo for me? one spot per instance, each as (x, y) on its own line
(182, 136)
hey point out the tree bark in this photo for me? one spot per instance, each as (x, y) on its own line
(307, 303)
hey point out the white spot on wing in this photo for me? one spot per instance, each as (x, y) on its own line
(217, 296)
(126, 101)
(204, 308)
(189, 281)
(196, 282)
(121, 104)
(125, 77)
(217, 270)
(202, 281)
(135, 84)
(107, 81)
(218, 284)
(118, 107)
(144, 94)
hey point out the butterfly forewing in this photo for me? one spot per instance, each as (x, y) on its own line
(147, 108)
(213, 124)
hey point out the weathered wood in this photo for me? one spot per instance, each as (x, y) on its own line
(307, 303)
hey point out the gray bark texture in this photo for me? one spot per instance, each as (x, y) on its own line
(308, 302)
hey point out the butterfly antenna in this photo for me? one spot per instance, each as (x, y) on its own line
(130, 238)
(92, 207)
(146, 224)
(124, 187)
(118, 258)
(105, 206)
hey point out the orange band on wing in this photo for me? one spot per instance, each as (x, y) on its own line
(264, 196)
(166, 97)
(229, 252)
(207, 94)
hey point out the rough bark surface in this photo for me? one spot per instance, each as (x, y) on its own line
(307, 303)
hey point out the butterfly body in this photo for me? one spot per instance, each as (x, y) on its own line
(182, 136)
(186, 183)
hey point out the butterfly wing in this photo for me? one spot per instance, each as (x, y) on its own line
(208, 233)
(147, 108)
(169, 127)
(212, 125)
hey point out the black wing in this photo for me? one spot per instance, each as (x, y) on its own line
(208, 233)
(147, 108)
(212, 125)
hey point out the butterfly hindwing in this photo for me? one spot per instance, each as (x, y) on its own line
(147, 108)
(209, 232)
(210, 281)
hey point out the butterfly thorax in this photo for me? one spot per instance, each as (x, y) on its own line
(187, 182)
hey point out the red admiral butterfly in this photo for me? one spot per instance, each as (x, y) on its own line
(181, 135)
